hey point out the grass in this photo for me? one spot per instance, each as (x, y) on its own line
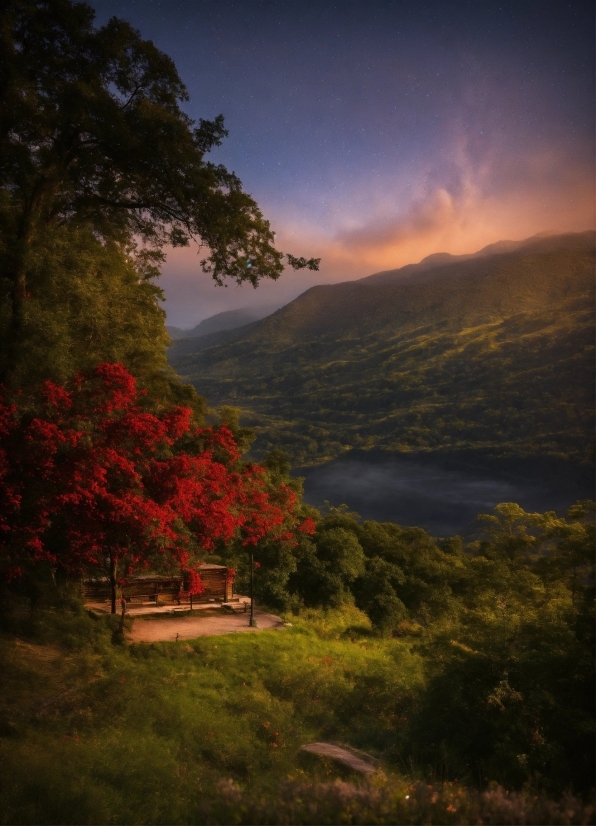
(209, 730)
(134, 734)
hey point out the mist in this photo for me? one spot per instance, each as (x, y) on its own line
(442, 500)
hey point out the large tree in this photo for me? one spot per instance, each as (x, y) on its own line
(94, 483)
(89, 301)
(92, 134)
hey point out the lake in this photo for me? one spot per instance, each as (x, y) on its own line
(441, 497)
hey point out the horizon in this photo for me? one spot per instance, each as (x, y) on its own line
(374, 134)
(273, 307)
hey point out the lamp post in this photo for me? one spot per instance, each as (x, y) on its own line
(252, 621)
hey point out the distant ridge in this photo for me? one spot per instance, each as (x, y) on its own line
(355, 308)
(227, 320)
(439, 259)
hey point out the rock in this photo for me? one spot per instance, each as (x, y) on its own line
(356, 760)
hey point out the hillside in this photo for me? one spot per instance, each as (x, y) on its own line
(491, 353)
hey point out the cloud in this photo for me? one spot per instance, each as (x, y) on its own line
(460, 205)
(465, 204)
(422, 218)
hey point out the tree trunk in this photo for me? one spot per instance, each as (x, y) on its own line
(113, 582)
(16, 272)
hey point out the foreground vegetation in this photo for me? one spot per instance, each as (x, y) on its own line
(209, 731)
(465, 669)
(482, 686)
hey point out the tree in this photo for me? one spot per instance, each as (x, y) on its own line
(510, 676)
(275, 554)
(512, 530)
(92, 135)
(376, 594)
(328, 567)
(89, 302)
(193, 585)
(98, 484)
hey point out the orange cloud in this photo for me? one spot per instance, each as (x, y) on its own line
(474, 204)
(422, 218)
(481, 205)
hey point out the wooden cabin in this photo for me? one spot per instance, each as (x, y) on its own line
(166, 590)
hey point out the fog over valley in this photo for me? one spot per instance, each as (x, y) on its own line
(441, 499)
(487, 354)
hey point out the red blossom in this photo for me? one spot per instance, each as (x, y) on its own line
(57, 397)
(98, 477)
(193, 584)
(308, 526)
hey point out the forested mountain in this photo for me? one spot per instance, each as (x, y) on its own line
(492, 353)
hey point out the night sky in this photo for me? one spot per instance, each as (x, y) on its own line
(373, 133)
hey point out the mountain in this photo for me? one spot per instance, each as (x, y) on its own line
(491, 353)
(228, 320)
(187, 346)
(439, 259)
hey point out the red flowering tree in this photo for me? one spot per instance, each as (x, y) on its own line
(273, 524)
(192, 585)
(95, 483)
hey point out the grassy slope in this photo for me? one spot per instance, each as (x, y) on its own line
(110, 734)
(494, 353)
(208, 731)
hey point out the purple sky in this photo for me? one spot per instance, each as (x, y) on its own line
(373, 132)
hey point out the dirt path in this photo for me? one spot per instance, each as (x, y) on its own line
(204, 625)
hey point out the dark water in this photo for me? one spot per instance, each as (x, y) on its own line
(444, 500)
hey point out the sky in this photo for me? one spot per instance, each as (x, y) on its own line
(375, 132)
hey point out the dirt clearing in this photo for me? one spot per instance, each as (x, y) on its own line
(203, 625)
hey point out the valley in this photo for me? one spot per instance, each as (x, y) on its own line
(323, 552)
(441, 493)
(485, 361)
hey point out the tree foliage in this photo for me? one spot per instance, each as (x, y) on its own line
(505, 625)
(90, 302)
(97, 483)
(92, 134)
